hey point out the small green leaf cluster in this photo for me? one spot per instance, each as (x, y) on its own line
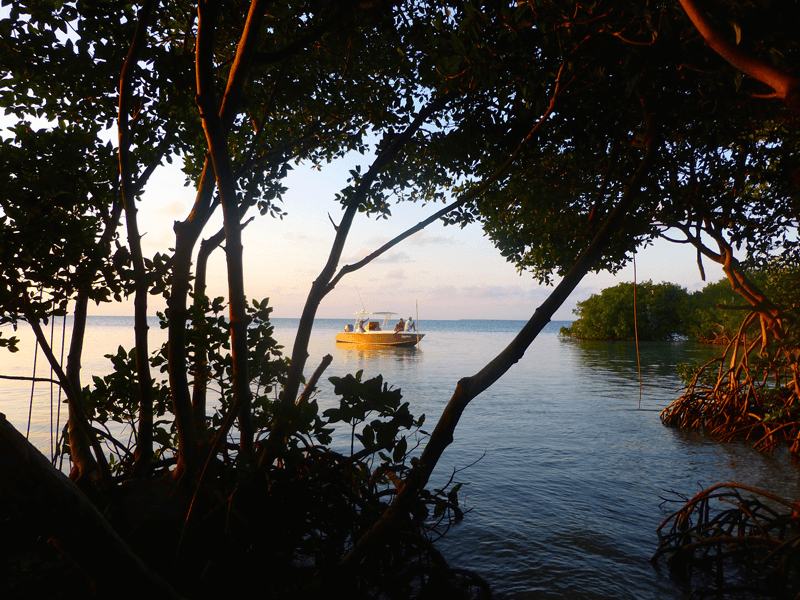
(445, 504)
(359, 400)
(114, 399)
(10, 343)
(781, 283)
(704, 372)
(775, 408)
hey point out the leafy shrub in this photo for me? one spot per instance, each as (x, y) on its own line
(661, 312)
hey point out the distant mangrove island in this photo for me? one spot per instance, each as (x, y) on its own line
(666, 311)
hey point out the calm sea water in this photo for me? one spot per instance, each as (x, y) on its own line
(566, 491)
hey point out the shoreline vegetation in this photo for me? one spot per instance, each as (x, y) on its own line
(663, 312)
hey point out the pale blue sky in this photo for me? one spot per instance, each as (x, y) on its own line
(454, 273)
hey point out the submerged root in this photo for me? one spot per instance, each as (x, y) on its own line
(742, 544)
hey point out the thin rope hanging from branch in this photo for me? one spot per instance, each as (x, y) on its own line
(636, 331)
(54, 430)
(33, 388)
(60, 391)
(52, 335)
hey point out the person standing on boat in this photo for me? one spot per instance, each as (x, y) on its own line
(410, 325)
(400, 326)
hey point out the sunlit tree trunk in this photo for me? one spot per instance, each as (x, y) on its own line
(200, 385)
(186, 235)
(216, 138)
(84, 464)
(785, 86)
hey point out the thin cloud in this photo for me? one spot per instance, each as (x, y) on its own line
(492, 291)
(423, 238)
(376, 242)
(394, 257)
(388, 258)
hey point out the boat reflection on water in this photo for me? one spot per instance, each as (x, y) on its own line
(350, 353)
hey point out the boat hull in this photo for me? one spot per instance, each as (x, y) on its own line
(380, 338)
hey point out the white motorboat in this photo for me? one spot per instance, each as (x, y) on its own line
(378, 332)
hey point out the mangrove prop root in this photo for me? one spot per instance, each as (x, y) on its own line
(740, 401)
(757, 537)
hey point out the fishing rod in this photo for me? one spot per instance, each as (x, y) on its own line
(359, 297)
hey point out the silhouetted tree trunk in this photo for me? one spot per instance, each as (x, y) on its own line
(144, 442)
(90, 469)
(32, 491)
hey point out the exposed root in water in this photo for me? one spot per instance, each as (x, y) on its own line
(755, 397)
(736, 545)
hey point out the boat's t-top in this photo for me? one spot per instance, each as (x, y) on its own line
(363, 322)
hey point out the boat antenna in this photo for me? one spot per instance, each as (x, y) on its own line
(359, 297)
(417, 326)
